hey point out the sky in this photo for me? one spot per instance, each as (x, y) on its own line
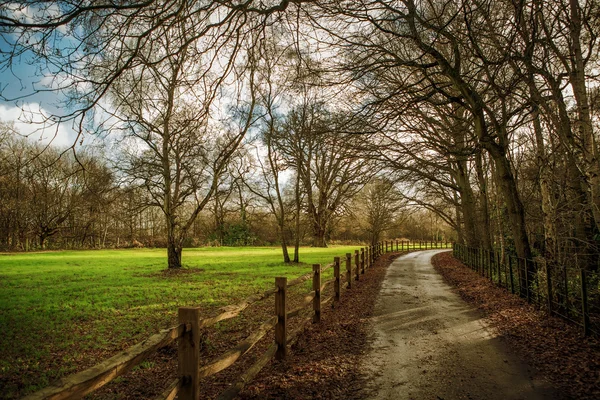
(22, 105)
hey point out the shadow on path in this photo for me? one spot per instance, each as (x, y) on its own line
(430, 344)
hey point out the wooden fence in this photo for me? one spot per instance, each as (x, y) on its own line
(191, 324)
(570, 293)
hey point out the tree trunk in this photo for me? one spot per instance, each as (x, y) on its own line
(174, 243)
(508, 188)
(550, 232)
(297, 249)
(173, 253)
(578, 186)
(374, 239)
(459, 220)
(297, 217)
(578, 83)
(467, 205)
(284, 249)
(484, 209)
(319, 232)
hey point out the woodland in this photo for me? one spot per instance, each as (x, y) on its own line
(305, 122)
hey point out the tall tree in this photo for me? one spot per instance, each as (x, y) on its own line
(379, 203)
(172, 149)
(329, 168)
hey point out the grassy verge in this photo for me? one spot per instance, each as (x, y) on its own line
(65, 311)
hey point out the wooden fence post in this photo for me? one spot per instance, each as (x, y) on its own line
(397, 248)
(493, 264)
(357, 263)
(548, 288)
(510, 271)
(349, 270)
(490, 261)
(481, 264)
(482, 261)
(584, 303)
(317, 289)
(362, 260)
(527, 280)
(189, 353)
(281, 313)
(468, 256)
(502, 256)
(336, 274)
(386, 248)
(498, 267)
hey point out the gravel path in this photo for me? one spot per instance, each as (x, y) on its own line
(430, 344)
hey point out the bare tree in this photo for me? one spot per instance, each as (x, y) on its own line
(380, 203)
(172, 149)
(328, 166)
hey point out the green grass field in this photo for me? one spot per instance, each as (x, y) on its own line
(68, 308)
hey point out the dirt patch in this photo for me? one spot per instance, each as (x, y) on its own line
(555, 348)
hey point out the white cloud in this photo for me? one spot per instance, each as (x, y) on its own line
(30, 14)
(30, 121)
(19, 12)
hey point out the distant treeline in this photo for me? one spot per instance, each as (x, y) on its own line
(50, 200)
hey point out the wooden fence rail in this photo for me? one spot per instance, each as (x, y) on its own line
(189, 330)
